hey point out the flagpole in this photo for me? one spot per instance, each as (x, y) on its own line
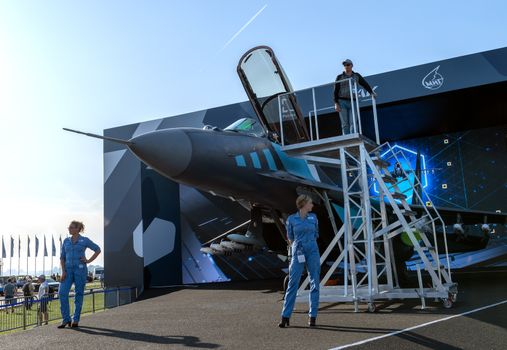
(35, 256)
(10, 258)
(60, 242)
(51, 271)
(44, 257)
(53, 252)
(19, 254)
(3, 255)
(27, 252)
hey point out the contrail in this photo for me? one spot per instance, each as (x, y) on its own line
(234, 36)
(243, 28)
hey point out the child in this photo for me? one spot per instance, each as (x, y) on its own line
(43, 300)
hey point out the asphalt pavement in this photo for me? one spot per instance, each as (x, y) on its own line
(245, 316)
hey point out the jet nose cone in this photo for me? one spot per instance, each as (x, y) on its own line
(168, 151)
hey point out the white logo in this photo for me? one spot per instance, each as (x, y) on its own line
(433, 80)
(364, 95)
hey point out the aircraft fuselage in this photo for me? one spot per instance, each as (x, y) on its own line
(225, 163)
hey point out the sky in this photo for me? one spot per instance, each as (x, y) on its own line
(94, 65)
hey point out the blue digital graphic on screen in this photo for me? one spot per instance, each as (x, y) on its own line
(408, 161)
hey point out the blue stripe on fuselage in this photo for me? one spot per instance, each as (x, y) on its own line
(269, 158)
(240, 161)
(255, 160)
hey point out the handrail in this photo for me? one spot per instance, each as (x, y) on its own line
(313, 112)
(415, 184)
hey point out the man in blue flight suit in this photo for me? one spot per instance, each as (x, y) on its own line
(302, 233)
(73, 261)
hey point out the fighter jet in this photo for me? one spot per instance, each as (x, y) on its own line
(245, 161)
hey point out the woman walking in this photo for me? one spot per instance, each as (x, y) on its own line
(302, 233)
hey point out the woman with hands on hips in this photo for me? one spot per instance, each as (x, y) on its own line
(74, 271)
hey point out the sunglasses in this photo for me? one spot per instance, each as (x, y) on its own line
(347, 64)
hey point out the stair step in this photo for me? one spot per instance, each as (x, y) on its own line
(408, 212)
(389, 179)
(428, 249)
(397, 195)
(381, 163)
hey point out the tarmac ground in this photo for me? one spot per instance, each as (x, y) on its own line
(244, 315)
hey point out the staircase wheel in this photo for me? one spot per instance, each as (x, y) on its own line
(447, 303)
(372, 307)
(453, 297)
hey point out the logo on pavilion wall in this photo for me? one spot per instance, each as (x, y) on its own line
(433, 80)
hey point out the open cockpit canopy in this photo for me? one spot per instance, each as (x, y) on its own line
(271, 94)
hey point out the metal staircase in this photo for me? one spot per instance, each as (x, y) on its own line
(365, 257)
(365, 241)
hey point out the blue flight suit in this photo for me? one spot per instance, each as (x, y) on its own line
(303, 233)
(76, 273)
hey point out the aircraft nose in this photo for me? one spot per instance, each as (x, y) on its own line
(167, 151)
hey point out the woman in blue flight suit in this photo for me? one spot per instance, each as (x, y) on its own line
(302, 233)
(73, 262)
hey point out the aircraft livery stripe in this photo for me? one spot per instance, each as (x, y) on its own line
(263, 160)
(240, 161)
(255, 160)
(278, 161)
(269, 158)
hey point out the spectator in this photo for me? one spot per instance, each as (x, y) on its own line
(43, 300)
(28, 290)
(10, 293)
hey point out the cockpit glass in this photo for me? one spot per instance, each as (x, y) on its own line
(247, 126)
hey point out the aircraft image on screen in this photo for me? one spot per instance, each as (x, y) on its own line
(245, 163)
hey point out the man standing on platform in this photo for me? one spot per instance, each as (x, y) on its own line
(342, 95)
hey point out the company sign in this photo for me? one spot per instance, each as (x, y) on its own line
(433, 80)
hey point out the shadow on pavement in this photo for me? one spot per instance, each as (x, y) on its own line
(266, 286)
(190, 341)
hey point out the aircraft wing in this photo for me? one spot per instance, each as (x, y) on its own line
(468, 217)
(285, 176)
